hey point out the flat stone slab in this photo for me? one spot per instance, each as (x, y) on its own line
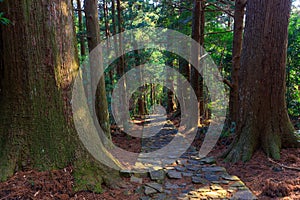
(243, 194)
(173, 174)
(136, 180)
(199, 180)
(150, 190)
(213, 169)
(211, 177)
(229, 177)
(155, 186)
(171, 186)
(157, 175)
(208, 160)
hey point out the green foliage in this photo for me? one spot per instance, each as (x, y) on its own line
(293, 65)
(4, 20)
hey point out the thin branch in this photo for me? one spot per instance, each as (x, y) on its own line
(284, 166)
(227, 82)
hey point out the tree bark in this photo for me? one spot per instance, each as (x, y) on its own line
(93, 34)
(80, 28)
(198, 35)
(40, 61)
(239, 13)
(263, 122)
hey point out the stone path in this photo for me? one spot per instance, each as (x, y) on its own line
(186, 178)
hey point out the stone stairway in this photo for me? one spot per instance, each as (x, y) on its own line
(186, 178)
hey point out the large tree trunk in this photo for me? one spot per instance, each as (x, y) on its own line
(263, 121)
(39, 63)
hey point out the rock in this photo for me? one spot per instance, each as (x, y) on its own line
(211, 177)
(180, 169)
(126, 173)
(145, 198)
(213, 195)
(193, 167)
(216, 187)
(222, 193)
(160, 197)
(199, 180)
(155, 186)
(213, 169)
(149, 190)
(203, 190)
(187, 174)
(172, 174)
(157, 175)
(229, 177)
(195, 162)
(237, 184)
(243, 194)
(136, 180)
(209, 160)
(221, 182)
(170, 186)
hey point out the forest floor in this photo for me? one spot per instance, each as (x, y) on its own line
(265, 178)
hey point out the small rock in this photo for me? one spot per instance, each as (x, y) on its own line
(136, 180)
(209, 160)
(230, 178)
(193, 167)
(170, 186)
(145, 198)
(149, 190)
(160, 197)
(244, 194)
(180, 169)
(157, 175)
(187, 174)
(237, 184)
(172, 174)
(199, 180)
(221, 182)
(213, 195)
(155, 186)
(216, 187)
(211, 177)
(213, 169)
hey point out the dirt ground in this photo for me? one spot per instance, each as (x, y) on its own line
(267, 179)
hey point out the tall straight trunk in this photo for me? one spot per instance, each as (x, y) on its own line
(93, 36)
(121, 65)
(40, 61)
(80, 28)
(263, 121)
(239, 13)
(141, 98)
(198, 35)
(107, 34)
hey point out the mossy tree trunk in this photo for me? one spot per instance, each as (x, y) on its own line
(39, 62)
(263, 122)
